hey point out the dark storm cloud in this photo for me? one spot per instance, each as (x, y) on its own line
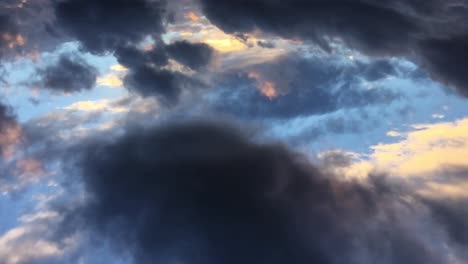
(149, 81)
(132, 57)
(70, 73)
(432, 33)
(147, 75)
(103, 25)
(191, 55)
(119, 26)
(202, 192)
(304, 87)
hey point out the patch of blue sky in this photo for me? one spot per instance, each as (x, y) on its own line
(423, 101)
(14, 205)
(29, 104)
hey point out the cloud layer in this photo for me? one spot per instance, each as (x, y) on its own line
(432, 33)
(202, 192)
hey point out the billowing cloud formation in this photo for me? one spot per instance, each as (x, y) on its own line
(149, 72)
(293, 86)
(203, 193)
(70, 73)
(119, 27)
(103, 25)
(432, 33)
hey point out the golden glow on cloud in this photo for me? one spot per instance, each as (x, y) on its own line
(445, 190)
(113, 79)
(225, 43)
(98, 105)
(427, 149)
(119, 68)
(110, 80)
(192, 16)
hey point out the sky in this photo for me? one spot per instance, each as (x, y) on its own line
(227, 132)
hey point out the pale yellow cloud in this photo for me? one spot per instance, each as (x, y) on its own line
(98, 105)
(225, 44)
(118, 68)
(110, 80)
(426, 149)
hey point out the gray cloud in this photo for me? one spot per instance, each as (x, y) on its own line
(70, 73)
(304, 87)
(432, 33)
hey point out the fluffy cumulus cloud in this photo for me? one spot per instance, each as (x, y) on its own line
(201, 192)
(432, 33)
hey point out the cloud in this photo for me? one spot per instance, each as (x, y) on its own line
(426, 149)
(191, 55)
(110, 80)
(32, 242)
(432, 33)
(10, 131)
(103, 25)
(293, 86)
(25, 27)
(119, 27)
(69, 74)
(203, 192)
(149, 73)
(98, 105)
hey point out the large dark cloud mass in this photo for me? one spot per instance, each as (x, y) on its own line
(202, 192)
(432, 33)
(70, 73)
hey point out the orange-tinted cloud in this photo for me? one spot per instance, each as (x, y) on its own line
(192, 16)
(13, 40)
(10, 137)
(266, 88)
